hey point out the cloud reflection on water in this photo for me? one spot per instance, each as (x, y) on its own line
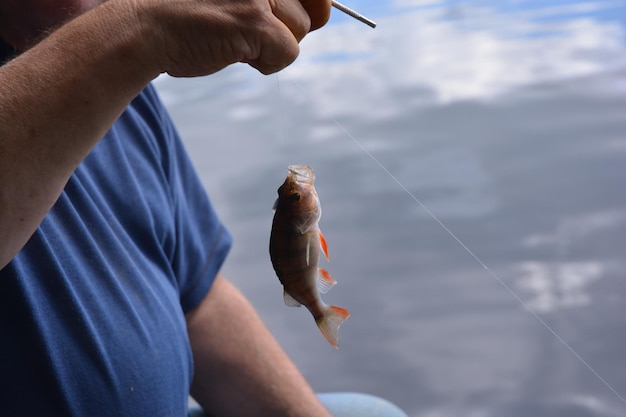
(509, 126)
(477, 54)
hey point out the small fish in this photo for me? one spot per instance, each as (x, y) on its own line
(295, 244)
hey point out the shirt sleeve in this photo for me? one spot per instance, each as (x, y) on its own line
(202, 241)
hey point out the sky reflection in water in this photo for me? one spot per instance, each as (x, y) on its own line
(506, 120)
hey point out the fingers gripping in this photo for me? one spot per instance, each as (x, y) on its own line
(279, 44)
(302, 16)
(293, 15)
(318, 10)
(198, 37)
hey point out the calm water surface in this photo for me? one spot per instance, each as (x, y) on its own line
(456, 135)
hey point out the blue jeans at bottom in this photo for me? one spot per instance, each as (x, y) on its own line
(346, 404)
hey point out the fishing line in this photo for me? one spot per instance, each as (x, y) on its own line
(476, 258)
(281, 108)
(481, 263)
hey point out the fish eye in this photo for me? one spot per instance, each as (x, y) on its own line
(295, 197)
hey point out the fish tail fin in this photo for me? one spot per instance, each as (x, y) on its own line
(329, 324)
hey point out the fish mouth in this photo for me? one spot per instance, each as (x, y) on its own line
(301, 174)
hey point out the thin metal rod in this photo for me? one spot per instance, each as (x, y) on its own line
(354, 14)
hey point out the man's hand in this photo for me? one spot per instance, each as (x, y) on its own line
(62, 95)
(199, 37)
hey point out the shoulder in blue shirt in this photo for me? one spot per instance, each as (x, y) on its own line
(92, 309)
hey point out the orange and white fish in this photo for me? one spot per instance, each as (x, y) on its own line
(295, 244)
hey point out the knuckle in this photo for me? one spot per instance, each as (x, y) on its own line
(303, 26)
(276, 60)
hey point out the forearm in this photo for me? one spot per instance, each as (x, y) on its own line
(240, 370)
(57, 100)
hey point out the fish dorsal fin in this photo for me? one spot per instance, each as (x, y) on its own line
(324, 245)
(290, 301)
(324, 281)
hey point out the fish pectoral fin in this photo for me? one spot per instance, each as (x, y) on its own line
(324, 281)
(308, 249)
(324, 245)
(290, 301)
(330, 322)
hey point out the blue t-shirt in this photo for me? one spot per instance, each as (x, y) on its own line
(92, 309)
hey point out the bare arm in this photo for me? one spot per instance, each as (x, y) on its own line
(59, 98)
(240, 370)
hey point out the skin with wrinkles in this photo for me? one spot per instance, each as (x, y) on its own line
(81, 63)
(128, 43)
